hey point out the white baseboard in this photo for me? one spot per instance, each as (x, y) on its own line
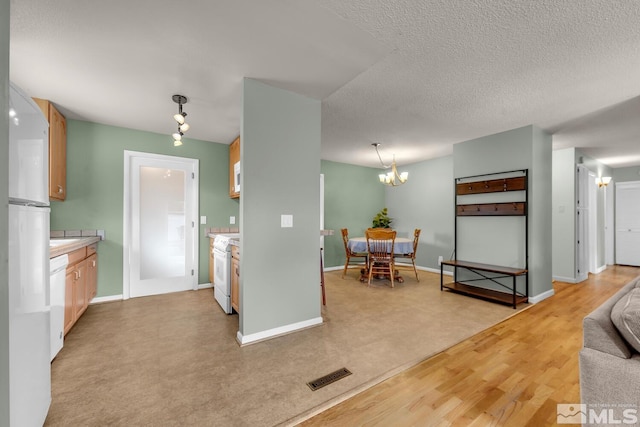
(564, 279)
(601, 269)
(537, 298)
(432, 270)
(275, 332)
(110, 298)
(435, 270)
(205, 286)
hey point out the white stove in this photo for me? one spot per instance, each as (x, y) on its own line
(222, 269)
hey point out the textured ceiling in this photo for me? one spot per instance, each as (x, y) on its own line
(414, 75)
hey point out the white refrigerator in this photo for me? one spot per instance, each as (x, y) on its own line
(29, 308)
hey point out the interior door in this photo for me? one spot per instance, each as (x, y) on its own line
(628, 223)
(160, 231)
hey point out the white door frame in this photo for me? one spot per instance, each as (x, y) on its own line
(593, 224)
(126, 214)
(582, 223)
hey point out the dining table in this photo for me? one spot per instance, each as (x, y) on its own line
(402, 245)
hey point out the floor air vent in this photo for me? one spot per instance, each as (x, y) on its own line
(328, 379)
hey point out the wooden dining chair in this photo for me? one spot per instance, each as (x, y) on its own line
(380, 243)
(411, 256)
(349, 254)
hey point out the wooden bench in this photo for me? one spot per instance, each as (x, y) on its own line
(514, 298)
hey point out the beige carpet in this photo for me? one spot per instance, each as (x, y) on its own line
(173, 359)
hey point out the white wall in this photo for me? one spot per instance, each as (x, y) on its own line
(4, 216)
(280, 169)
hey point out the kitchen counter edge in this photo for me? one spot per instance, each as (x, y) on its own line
(80, 243)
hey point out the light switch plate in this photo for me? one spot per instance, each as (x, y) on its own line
(203, 219)
(232, 220)
(286, 221)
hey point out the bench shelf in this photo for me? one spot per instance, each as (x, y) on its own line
(481, 188)
(511, 298)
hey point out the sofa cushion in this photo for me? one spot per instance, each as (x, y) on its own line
(626, 316)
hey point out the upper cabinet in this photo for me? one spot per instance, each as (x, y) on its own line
(234, 169)
(57, 149)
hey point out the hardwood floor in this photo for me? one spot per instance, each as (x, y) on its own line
(511, 374)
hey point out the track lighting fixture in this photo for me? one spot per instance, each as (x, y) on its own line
(180, 120)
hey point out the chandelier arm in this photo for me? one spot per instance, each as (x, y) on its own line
(379, 157)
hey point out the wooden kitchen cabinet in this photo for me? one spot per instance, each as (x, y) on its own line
(79, 288)
(69, 306)
(92, 277)
(57, 149)
(235, 278)
(81, 284)
(234, 157)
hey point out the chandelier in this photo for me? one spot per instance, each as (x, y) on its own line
(391, 178)
(179, 118)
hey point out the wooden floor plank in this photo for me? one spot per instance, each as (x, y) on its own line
(514, 373)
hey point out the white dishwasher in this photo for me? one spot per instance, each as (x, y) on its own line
(58, 268)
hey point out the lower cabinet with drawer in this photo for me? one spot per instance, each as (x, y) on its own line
(81, 284)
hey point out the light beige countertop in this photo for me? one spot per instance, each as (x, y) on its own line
(65, 245)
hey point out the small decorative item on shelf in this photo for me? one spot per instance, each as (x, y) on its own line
(382, 220)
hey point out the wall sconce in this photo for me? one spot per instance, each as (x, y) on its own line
(392, 178)
(179, 118)
(603, 181)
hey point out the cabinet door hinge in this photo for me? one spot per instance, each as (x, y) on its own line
(192, 272)
(193, 175)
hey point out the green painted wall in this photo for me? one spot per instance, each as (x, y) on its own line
(280, 169)
(564, 215)
(631, 173)
(425, 201)
(352, 197)
(95, 180)
(4, 212)
(500, 240)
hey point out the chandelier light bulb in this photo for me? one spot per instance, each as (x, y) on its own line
(184, 127)
(177, 136)
(179, 118)
(177, 143)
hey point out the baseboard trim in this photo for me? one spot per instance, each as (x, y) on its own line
(276, 332)
(564, 279)
(431, 270)
(110, 298)
(205, 286)
(435, 270)
(601, 269)
(537, 298)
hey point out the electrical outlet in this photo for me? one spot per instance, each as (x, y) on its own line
(232, 220)
(203, 219)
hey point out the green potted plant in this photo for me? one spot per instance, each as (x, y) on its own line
(382, 220)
